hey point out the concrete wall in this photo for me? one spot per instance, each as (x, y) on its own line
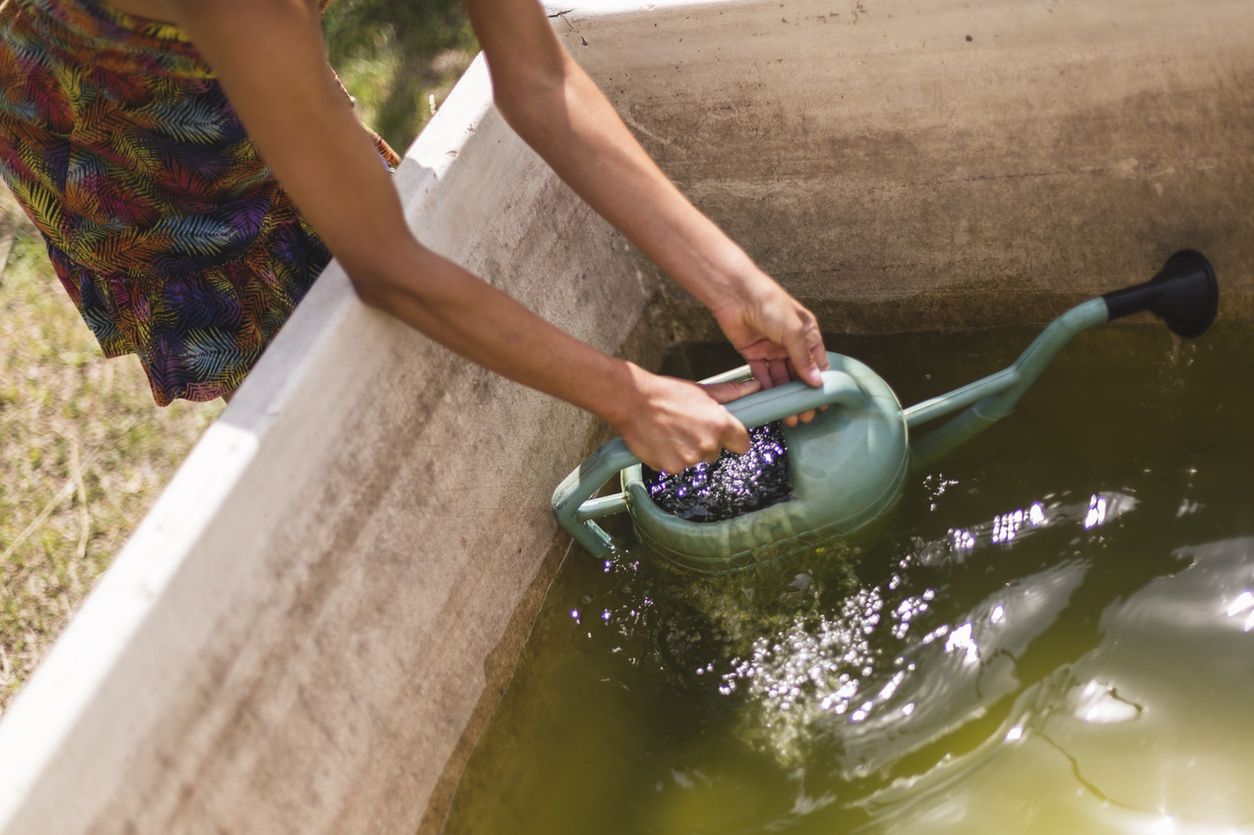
(950, 163)
(311, 627)
(297, 635)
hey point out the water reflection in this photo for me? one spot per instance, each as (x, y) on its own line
(867, 672)
(1005, 528)
(1146, 756)
(817, 658)
(1098, 702)
(730, 486)
(1243, 604)
(1097, 512)
(847, 675)
(1013, 658)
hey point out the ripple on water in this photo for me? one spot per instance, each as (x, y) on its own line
(1035, 644)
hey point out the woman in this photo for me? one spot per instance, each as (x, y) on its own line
(135, 133)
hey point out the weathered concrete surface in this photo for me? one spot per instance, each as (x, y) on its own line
(295, 638)
(948, 163)
(312, 625)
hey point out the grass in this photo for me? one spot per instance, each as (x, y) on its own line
(396, 57)
(85, 451)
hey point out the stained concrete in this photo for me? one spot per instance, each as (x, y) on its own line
(312, 626)
(949, 164)
(296, 636)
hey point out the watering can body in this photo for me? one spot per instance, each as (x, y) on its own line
(846, 468)
(849, 465)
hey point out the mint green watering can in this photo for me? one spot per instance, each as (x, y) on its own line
(849, 465)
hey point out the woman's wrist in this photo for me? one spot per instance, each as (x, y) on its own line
(744, 290)
(723, 273)
(618, 393)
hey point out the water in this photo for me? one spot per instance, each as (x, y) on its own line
(729, 487)
(1053, 633)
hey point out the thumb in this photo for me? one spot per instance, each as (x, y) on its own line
(727, 392)
(805, 349)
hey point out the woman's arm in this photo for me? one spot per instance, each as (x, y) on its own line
(270, 59)
(561, 113)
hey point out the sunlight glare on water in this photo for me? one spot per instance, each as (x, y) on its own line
(1053, 634)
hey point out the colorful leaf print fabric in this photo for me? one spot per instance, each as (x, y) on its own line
(162, 222)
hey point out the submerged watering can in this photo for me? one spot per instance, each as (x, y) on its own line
(849, 465)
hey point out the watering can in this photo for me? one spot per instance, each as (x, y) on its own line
(849, 465)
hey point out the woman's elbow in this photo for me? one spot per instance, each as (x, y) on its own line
(374, 281)
(377, 263)
(372, 291)
(526, 101)
(517, 107)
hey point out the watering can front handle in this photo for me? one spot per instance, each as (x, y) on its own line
(574, 507)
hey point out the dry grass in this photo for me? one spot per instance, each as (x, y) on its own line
(83, 449)
(85, 452)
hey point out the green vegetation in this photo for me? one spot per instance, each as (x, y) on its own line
(84, 450)
(397, 57)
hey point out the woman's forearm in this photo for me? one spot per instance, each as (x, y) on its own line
(268, 56)
(269, 59)
(561, 113)
(579, 134)
(484, 325)
(577, 131)
(669, 424)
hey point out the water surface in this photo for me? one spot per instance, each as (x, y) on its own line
(1054, 632)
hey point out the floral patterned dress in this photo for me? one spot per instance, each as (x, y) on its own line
(162, 221)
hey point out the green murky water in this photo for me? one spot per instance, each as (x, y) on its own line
(1054, 633)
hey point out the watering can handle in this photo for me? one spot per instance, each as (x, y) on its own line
(577, 512)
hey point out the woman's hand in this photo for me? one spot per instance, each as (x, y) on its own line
(269, 59)
(777, 336)
(558, 110)
(671, 424)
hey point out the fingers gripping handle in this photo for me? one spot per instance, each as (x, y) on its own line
(793, 398)
(755, 410)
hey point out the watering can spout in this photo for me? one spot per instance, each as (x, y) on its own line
(1184, 294)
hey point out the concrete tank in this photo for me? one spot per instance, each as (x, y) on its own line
(314, 623)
